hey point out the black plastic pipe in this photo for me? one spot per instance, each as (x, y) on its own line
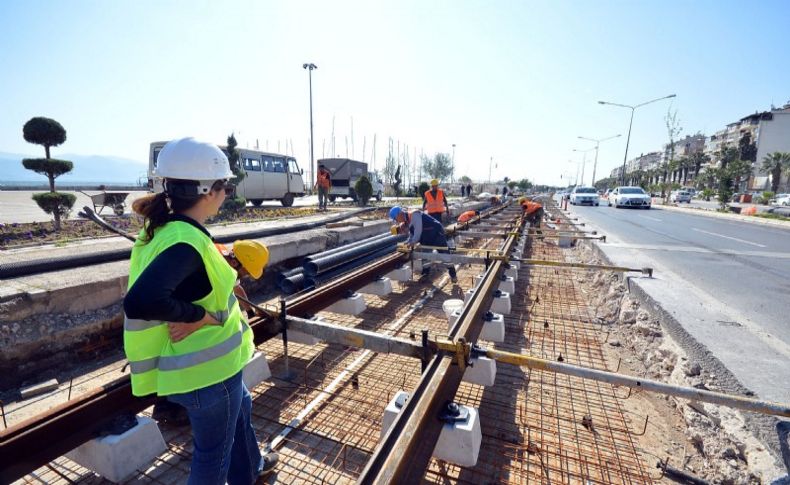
(318, 280)
(350, 245)
(320, 265)
(292, 284)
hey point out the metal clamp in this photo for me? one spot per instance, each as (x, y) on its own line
(453, 413)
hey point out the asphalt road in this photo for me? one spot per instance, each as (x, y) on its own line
(727, 283)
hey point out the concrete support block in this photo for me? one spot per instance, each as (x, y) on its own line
(256, 370)
(353, 305)
(477, 280)
(380, 287)
(493, 328)
(468, 295)
(452, 318)
(392, 410)
(517, 254)
(501, 303)
(507, 285)
(304, 338)
(117, 457)
(39, 388)
(511, 272)
(459, 442)
(482, 372)
(565, 241)
(515, 264)
(401, 274)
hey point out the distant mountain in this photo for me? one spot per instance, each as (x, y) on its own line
(104, 169)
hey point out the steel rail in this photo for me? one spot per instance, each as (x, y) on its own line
(402, 456)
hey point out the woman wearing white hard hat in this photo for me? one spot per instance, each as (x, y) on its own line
(184, 333)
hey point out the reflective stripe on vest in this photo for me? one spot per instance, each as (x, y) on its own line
(183, 361)
(138, 325)
(432, 205)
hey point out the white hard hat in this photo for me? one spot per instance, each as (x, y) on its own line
(189, 159)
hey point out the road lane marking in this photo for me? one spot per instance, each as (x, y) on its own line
(694, 249)
(730, 237)
(648, 217)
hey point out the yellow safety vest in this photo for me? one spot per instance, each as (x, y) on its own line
(211, 354)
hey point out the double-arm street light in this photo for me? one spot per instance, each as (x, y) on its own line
(597, 143)
(310, 67)
(584, 160)
(632, 108)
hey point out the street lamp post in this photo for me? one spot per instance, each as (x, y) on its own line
(452, 174)
(310, 67)
(584, 161)
(597, 143)
(630, 123)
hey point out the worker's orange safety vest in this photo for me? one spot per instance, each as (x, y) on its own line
(432, 206)
(323, 179)
(530, 207)
(466, 216)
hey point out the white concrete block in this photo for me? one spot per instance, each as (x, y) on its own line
(392, 410)
(515, 264)
(452, 318)
(257, 369)
(417, 265)
(508, 285)
(512, 272)
(117, 457)
(468, 295)
(401, 274)
(482, 372)
(517, 254)
(353, 305)
(477, 280)
(380, 287)
(501, 304)
(493, 329)
(565, 241)
(459, 442)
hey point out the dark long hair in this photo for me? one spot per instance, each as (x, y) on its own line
(156, 212)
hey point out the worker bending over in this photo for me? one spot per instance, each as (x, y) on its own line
(434, 202)
(248, 258)
(533, 211)
(467, 216)
(422, 229)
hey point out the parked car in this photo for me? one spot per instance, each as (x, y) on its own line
(584, 195)
(680, 196)
(782, 199)
(629, 197)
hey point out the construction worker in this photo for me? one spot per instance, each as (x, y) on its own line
(434, 202)
(467, 216)
(248, 258)
(533, 211)
(184, 334)
(422, 229)
(323, 183)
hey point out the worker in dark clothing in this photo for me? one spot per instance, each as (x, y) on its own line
(185, 336)
(469, 190)
(323, 184)
(422, 229)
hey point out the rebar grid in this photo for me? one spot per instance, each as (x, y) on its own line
(535, 424)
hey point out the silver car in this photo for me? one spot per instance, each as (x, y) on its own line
(680, 196)
(584, 195)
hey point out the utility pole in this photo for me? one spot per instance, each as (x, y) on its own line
(597, 144)
(310, 68)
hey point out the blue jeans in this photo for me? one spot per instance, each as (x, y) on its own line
(225, 446)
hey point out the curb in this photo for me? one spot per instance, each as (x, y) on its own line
(732, 217)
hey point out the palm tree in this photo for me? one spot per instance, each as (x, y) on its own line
(775, 163)
(697, 159)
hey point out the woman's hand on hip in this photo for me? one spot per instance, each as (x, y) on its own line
(181, 330)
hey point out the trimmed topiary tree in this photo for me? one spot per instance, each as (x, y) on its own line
(364, 190)
(49, 133)
(424, 187)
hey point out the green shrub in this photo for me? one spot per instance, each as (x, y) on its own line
(424, 187)
(234, 204)
(55, 202)
(768, 195)
(364, 190)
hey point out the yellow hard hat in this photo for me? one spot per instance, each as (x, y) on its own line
(252, 255)
(434, 182)
(522, 199)
(394, 230)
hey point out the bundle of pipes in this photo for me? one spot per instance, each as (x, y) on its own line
(321, 267)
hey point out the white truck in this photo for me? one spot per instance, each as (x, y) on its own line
(345, 173)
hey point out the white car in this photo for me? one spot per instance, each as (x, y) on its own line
(584, 195)
(680, 196)
(629, 197)
(782, 199)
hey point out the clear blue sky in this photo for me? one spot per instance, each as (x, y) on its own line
(514, 80)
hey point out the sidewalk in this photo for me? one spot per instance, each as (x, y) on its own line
(724, 215)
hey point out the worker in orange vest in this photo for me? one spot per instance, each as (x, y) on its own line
(323, 183)
(434, 202)
(467, 216)
(533, 211)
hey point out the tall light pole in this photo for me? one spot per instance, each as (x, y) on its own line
(584, 160)
(490, 162)
(310, 67)
(597, 143)
(630, 123)
(452, 174)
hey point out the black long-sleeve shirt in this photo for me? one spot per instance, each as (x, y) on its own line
(170, 283)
